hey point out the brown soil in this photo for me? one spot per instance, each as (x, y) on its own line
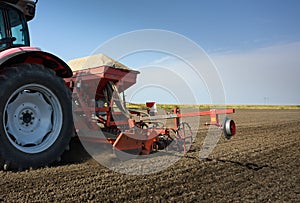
(260, 164)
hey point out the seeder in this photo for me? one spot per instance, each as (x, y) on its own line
(36, 115)
(99, 106)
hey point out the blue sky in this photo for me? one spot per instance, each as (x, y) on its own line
(255, 45)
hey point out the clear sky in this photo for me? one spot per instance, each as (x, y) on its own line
(255, 44)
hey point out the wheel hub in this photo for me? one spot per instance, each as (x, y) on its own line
(29, 118)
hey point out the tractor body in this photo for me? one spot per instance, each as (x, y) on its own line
(36, 122)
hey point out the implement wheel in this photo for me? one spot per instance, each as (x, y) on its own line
(36, 121)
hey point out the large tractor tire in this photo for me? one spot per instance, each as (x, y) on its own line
(36, 122)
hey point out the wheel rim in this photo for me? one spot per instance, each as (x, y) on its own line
(33, 118)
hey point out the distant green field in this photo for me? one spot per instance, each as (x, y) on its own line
(264, 106)
(172, 106)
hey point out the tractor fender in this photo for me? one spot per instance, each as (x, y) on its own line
(33, 55)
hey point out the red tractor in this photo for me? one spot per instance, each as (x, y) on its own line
(36, 113)
(36, 121)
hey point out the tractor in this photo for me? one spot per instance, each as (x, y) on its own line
(36, 122)
(41, 97)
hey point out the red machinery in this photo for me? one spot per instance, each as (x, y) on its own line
(98, 106)
(36, 115)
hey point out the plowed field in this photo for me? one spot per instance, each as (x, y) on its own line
(260, 164)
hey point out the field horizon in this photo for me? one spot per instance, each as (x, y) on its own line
(209, 106)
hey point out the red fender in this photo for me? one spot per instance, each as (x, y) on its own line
(34, 55)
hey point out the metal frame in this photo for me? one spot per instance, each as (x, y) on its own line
(131, 132)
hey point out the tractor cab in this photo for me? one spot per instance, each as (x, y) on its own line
(14, 15)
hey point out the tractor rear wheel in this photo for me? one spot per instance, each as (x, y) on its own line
(36, 122)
